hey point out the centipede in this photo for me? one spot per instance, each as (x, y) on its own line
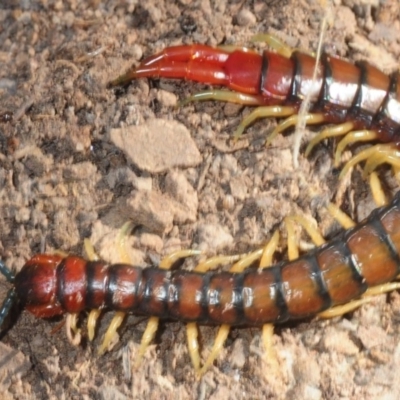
(362, 102)
(360, 258)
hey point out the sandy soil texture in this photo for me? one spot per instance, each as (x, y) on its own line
(78, 160)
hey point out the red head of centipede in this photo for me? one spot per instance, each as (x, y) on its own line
(35, 286)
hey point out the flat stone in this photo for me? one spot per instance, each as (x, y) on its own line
(157, 146)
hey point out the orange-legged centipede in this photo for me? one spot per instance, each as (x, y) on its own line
(364, 101)
(333, 274)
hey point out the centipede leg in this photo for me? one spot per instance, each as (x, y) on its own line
(6, 306)
(225, 95)
(380, 153)
(338, 130)
(275, 43)
(353, 137)
(377, 191)
(310, 119)
(73, 332)
(263, 112)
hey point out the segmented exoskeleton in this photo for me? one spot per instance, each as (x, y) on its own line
(365, 256)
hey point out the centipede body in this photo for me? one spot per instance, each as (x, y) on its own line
(334, 274)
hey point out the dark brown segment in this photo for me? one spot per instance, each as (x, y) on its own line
(221, 298)
(97, 282)
(387, 121)
(71, 284)
(153, 295)
(372, 255)
(260, 295)
(303, 83)
(301, 289)
(186, 296)
(276, 77)
(371, 94)
(123, 286)
(340, 88)
(342, 279)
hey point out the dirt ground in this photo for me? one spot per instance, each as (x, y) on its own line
(79, 159)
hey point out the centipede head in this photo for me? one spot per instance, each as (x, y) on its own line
(35, 286)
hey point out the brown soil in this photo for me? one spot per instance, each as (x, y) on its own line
(72, 166)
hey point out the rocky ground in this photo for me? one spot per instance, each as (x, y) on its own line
(78, 160)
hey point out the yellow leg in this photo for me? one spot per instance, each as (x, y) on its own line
(366, 298)
(121, 242)
(383, 152)
(214, 262)
(220, 339)
(344, 220)
(377, 191)
(353, 137)
(224, 95)
(267, 335)
(333, 131)
(313, 232)
(390, 155)
(273, 42)
(263, 112)
(73, 333)
(277, 44)
(91, 323)
(110, 335)
(310, 119)
(89, 250)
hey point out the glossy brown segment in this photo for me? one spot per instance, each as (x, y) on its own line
(373, 90)
(301, 290)
(186, 296)
(123, 287)
(97, 283)
(342, 86)
(304, 85)
(277, 77)
(220, 298)
(260, 294)
(341, 283)
(391, 222)
(71, 280)
(372, 256)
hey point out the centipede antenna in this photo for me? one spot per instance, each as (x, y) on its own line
(11, 295)
(7, 272)
(7, 304)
